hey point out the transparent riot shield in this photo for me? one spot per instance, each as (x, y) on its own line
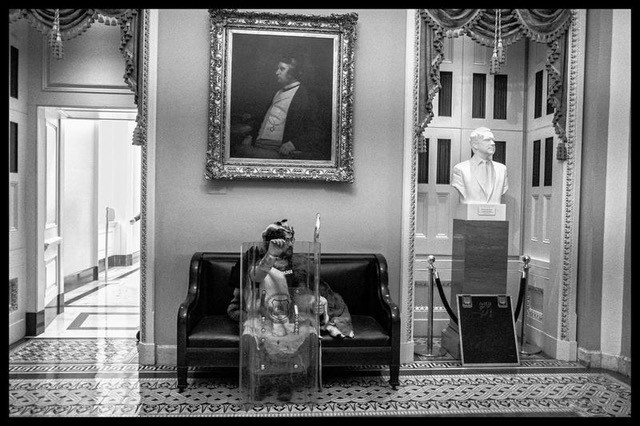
(279, 327)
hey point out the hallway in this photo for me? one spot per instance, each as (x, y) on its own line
(86, 365)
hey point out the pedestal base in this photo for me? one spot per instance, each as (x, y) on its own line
(479, 266)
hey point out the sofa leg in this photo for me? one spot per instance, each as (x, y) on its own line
(394, 376)
(182, 378)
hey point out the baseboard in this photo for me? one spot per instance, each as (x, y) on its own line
(146, 353)
(563, 350)
(117, 260)
(17, 331)
(73, 281)
(406, 352)
(34, 323)
(167, 355)
(597, 359)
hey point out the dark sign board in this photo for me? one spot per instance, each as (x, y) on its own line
(487, 330)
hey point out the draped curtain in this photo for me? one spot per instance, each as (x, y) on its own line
(549, 26)
(70, 23)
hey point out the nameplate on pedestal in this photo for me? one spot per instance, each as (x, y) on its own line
(486, 211)
(481, 212)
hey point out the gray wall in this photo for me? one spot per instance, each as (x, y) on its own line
(625, 349)
(361, 217)
(594, 162)
(592, 201)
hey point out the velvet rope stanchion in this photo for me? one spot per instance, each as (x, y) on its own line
(453, 316)
(521, 291)
(525, 348)
(431, 259)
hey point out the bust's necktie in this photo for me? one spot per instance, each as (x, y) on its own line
(484, 175)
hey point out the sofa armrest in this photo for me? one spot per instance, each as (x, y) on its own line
(188, 314)
(391, 318)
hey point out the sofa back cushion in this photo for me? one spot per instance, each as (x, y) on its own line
(353, 276)
(215, 289)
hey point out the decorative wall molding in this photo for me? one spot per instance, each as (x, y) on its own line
(436, 309)
(570, 187)
(49, 86)
(536, 315)
(415, 138)
(13, 295)
(143, 112)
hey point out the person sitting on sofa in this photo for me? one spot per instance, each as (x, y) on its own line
(280, 280)
(277, 259)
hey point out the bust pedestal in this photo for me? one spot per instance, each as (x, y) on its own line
(479, 266)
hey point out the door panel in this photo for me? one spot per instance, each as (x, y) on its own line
(437, 198)
(53, 285)
(538, 195)
(17, 232)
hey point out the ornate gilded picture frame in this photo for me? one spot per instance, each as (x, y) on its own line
(280, 96)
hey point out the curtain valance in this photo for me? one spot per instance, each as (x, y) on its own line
(548, 26)
(72, 22)
(65, 24)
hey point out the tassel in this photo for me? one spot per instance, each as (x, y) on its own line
(55, 40)
(495, 64)
(494, 58)
(501, 55)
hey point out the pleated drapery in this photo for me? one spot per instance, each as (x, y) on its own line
(65, 24)
(549, 26)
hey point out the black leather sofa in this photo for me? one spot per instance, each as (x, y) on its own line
(208, 337)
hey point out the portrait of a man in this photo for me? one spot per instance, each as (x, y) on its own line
(281, 97)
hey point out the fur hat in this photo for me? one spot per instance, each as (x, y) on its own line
(277, 230)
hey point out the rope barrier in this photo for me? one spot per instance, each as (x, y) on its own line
(453, 316)
(523, 285)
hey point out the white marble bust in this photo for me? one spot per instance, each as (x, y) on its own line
(480, 180)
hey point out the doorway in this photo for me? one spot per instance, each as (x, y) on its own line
(96, 182)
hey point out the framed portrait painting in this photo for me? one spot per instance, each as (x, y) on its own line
(280, 96)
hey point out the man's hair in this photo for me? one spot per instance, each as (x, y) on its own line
(296, 68)
(479, 134)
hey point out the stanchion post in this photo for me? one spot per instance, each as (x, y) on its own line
(526, 349)
(431, 259)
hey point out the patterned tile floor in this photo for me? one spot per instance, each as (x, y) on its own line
(101, 308)
(81, 368)
(101, 378)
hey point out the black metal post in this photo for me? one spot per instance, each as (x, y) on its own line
(431, 259)
(525, 348)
